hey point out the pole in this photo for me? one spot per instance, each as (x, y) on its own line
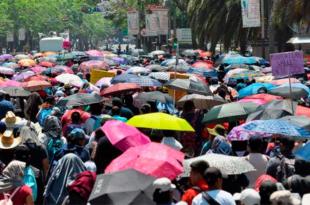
(175, 70)
(291, 94)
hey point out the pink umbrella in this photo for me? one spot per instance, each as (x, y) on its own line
(284, 81)
(123, 136)
(10, 83)
(87, 65)
(256, 101)
(153, 159)
(64, 68)
(38, 69)
(94, 53)
(240, 134)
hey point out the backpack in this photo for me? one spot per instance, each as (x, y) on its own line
(285, 169)
(30, 180)
(8, 197)
(44, 113)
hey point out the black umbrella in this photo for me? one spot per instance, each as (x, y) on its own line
(80, 99)
(297, 92)
(153, 97)
(191, 86)
(16, 91)
(122, 188)
(301, 121)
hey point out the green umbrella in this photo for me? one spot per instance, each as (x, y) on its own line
(230, 112)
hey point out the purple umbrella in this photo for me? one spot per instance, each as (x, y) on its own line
(239, 133)
(7, 71)
(119, 60)
(24, 75)
(6, 57)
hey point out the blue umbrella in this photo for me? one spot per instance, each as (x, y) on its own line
(145, 81)
(253, 89)
(123, 78)
(279, 127)
(303, 152)
(202, 72)
(238, 59)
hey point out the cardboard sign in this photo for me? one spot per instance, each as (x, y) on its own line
(287, 64)
(96, 74)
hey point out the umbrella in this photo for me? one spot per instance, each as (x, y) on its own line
(38, 69)
(264, 97)
(278, 127)
(153, 159)
(284, 81)
(303, 152)
(206, 72)
(61, 69)
(123, 78)
(36, 78)
(10, 65)
(160, 121)
(153, 97)
(301, 110)
(46, 64)
(155, 67)
(238, 133)
(157, 53)
(298, 91)
(27, 63)
(254, 89)
(238, 59)
(228, 165)
(36, 85)
(190, 52)
(5, 57)
(6, 71)
(105, 81)
(123, 188)
(163, 76)
(119, 60)
(16, 91)
(145, 81)
(92, 64)
(190, 86)
(10, 83)
(301, 121)
(21, 56)
(123, 136)
(38, 55)
(137, 70)
(201, 101)
(23, 75)
(171, 64)
(70, 79)
(240, 73)
(229, 112)
(80, 99)
(49, 53)
(94, 53)
(119, 88)
(202, 64)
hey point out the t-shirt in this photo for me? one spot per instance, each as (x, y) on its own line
(259, 162)
(222, 197)
(20, 196)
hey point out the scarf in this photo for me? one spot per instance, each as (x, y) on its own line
(12, 176)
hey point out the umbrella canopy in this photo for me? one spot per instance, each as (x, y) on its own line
(10, 83)
(298, 91)
(87, 65)
(163, 76)
(123, 78)
(153, 159)
(160, 121)
(62, 69)
(80, 99)
(94, 53)
(229, 112)
(241, 73)
(301, 110)
(16, 91)
(301, 121)
(238, 59)
(70, 79)
(137, 70)
(27, 63)
(264, 97)
(123, 188)
(284, 81)
(201, 101)
(202, 64)
(119, 88)
(6, 70)
(38, 69)
(155, 67)
(21, 56)
(105, 81)
(46, 64)
(145, 81)
(36, 85)
(23, 75)
(10, 65)
(190, 52)
(190, 86)
(228, 165)
(119, 60)
(5, 57)
(254, 89)
(303, 152)
(153, 97)
(157, 53)
(240, 134)
(278, 127)
(123, 136)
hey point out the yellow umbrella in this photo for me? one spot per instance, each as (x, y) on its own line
(160, 121)
(27, 63)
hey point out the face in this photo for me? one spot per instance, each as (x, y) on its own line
(195, 177)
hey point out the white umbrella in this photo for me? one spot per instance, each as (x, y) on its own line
(229, 165)
(164, 76)
(70, 79)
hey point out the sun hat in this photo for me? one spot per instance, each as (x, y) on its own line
(284, 197)
(250, 197)
(216, 130)
(7, 140)
(11, 119)
(163, 184)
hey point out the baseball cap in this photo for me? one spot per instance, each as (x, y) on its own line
(250, 197)
(163, 184)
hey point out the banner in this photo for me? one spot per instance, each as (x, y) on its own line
(133, 22)
(151, 24)
(287, 64)
(9, 36)
(162, 21)
(96, 74)
(250, 13)
(22, 34)
(184, 35)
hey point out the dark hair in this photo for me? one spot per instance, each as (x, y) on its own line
(76, 117)
(287, 143)
(50, 100)
(265, 191)
(188, 106)
(23, 153)
(302, 167)
(117, 102)
(162, 197)
(95, 109)
(146, 108)
(200, 166)
(255, 143)
(211, 176)
(115, 110)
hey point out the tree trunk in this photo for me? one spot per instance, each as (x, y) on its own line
(243, 41)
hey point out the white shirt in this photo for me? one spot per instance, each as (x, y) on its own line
(259, 162)
(221, 196)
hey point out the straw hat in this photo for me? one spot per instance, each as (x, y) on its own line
(217, 130)
(11, 119)
(7, 140)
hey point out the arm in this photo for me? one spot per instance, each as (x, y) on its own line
(45, 164)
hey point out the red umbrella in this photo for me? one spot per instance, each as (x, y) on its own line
(66, 118)
(205, 54)
(301, 110)
(97, 64)
(153, 159)
(46, 64)
(264, 97)
(202, 64)
(119, 88)
(36, 78)
(35, 85)
(10, 83)
(94, 53)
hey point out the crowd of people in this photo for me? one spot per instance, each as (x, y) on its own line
(51, 154)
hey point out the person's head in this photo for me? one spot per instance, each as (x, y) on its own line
(49, 100)
(265, 191)
(34, 98)
(249, 197)
(213, 177)
(302, 167)
(2, 95)
(14, 172)
(96, 109)
(198, 169)
(286, 145)
(117, 102)
(22, 153)
(262, 90)
(76, 118)
(115, 110)
(128, 100)
(163, 191)
(255, 144)
(221, 146)
(146, 108)
(217, 130)
(188, 106)
(295, 184)
(77, 136)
